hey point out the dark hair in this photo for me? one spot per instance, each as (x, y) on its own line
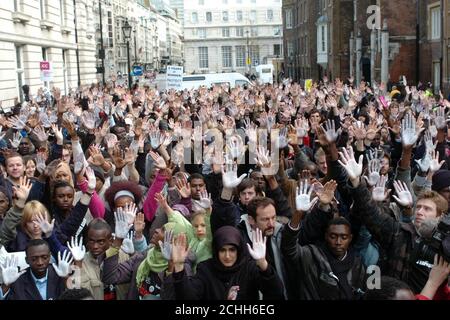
(196, 176)
(245, 184)
(388, 289)
(339, 221)
(75, 294)
(36, 243)
(258, 202)
(99, 224)
(115, 187)
(61, 184)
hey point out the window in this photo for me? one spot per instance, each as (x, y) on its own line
(290, 49)
(288, 18)
(239, 1)
(239, 31)
(435, 25)
(202, 33)
(277, 49)
(240, 56)
(225, 1)
(226, 32)
(226, 57)
(323, 39)
(19, 71)
(110, 30)
(253, 1)
(16, 6)
(253, 15)
(194, 31)
(225, 16)
(42, 8)
(239, 15)
(276, 31)
(254, 31)
(203, 57)
(194, 17)
(254, 55)
(270, 15)
(62, 11)
(208, 16)
(201, 2)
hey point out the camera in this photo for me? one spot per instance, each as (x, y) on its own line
(438, 243)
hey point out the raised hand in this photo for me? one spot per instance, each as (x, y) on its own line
(118, 158)
(88, 120)
(353, 168)
(127, 244)
(21, 192)
(16, 122)
(96, 157)
(130, 211)
(282, 138)
(10, 270)
(77, 249)
(183, 188)
(302, 127)
(435, 165)
(63, 267)
(424, 163)
(111, 140)
(70, 127)
(46, 227)
(58, 133)
(303, 200)
(258, 249)
(379, 193)
(205, 200)
(330, 131)
(374, 168)
(40, 162)
(439, 118)
(236, 147)
(92, 180)
(122, 226)
(229, 176)
(40, 133)
(410, 134)
(326, 195)
(155, 139)
(159, 161)
(263, 161)
(15, 142)
(179, 249)
(404, 198)
(166, 246)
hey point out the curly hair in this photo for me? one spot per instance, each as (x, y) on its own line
(115, 187)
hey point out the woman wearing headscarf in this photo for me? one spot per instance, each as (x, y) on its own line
(230, 274)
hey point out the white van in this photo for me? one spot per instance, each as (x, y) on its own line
(233, 79)
(265, 73)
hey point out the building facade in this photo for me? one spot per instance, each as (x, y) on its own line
(231, 35)
(34, 31)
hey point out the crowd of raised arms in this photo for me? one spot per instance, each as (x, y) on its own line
(337, 192)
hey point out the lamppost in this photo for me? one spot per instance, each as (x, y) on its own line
(135, 47)
(126, 29)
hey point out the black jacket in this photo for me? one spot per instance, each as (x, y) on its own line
(25, 288)
(206, 285)
(316, 280)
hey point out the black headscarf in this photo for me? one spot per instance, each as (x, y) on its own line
(228, 235)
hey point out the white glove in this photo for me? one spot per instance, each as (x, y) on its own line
(229, 176)
(78, 250)
(353, 168)
(92, 180)
(63, 267)
(379, 192)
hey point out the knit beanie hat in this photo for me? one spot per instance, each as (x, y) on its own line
(440, 180)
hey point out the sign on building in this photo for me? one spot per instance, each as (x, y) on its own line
(174, 78)
(46, 71)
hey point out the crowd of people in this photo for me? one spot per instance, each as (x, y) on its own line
(269, 192)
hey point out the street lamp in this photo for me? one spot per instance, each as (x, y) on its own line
(126, 29)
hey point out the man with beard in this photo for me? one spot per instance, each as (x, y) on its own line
(257, 212)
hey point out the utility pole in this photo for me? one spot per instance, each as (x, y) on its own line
(102, 49)
(135, 45)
